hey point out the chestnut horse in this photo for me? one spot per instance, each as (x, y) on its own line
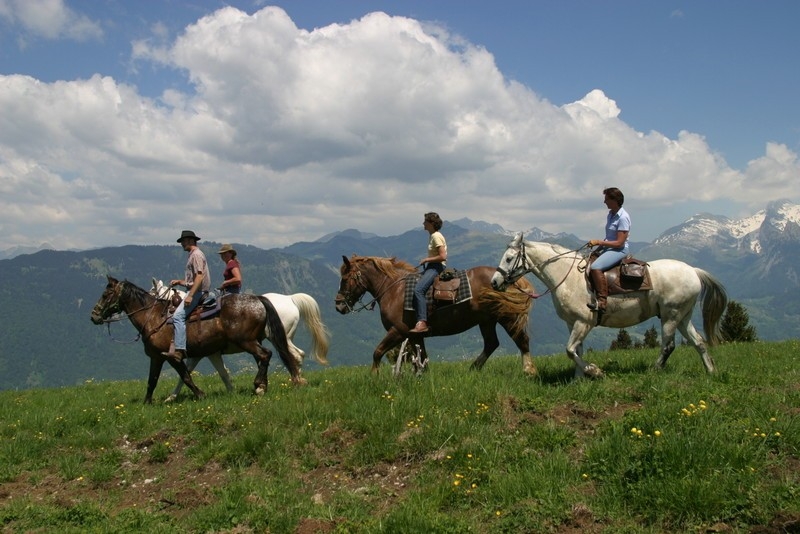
(385, 278)
(241, 325)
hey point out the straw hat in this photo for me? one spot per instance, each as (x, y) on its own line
(226, 248)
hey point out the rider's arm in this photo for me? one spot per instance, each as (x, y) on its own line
(235, 279)
(198, 281)
(440, 257)
(622, 236)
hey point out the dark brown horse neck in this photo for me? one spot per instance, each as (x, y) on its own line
(147, 313)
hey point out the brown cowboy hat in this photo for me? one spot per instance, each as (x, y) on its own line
(187, 233)
(226, 248)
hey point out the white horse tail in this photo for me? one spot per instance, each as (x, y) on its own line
(715, 301)
(309, 311)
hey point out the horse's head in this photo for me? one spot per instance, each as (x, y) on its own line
(351, 286)
(109, 303)
(513, 265)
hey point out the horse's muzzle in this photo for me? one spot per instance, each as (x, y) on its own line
(499, 280)
(342, 306)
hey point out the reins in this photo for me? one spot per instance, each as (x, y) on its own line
(116, 318)
(523, 258)
(378, 293)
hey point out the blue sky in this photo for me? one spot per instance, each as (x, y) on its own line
(125, 122)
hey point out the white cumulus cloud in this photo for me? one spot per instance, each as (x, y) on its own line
(289, 134)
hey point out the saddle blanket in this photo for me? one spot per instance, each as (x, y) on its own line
(464, 290)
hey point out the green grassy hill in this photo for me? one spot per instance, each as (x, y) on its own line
(453, 451)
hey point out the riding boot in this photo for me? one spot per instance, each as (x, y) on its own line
(171, 352)
(600, 285)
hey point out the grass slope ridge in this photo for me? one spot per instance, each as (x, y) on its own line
(452, 451)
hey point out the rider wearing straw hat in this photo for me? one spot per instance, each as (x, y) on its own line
(232, 274)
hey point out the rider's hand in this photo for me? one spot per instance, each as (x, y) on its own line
(594, 242)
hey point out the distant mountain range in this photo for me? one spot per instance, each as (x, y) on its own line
(46, 295)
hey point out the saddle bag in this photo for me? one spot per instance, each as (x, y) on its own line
(446, 291)
(632, 270)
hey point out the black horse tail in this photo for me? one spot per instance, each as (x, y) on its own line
(277, 335)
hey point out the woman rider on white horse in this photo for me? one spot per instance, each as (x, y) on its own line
(612, 249)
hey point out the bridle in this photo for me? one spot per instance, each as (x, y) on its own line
(112, 312)
(348, 295)
(522, 266)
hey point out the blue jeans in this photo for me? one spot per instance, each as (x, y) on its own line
(608, 259)
(432, 270)
(179, 319)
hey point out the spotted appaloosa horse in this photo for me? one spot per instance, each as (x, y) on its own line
(240, 326)
(291, 309)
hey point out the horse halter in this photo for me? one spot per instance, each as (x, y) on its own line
(350, 296)
(107, 307)
(520, 267)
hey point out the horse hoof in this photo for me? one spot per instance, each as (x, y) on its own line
(530, 371)
(171, 398)
(300, 381)
(260, 390)
(592, 371)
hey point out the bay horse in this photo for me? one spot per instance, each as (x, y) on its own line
(290, 308)
(384, 279)
(676, 288)
(240, 326)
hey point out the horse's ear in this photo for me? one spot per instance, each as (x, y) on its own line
(111, 280)
(518, 238)
(346, 261)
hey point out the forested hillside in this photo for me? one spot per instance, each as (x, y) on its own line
(47, 297)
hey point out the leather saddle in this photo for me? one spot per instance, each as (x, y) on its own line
(629, 275)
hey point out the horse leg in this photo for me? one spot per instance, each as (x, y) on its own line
(490, 344)
(262, 356)
(389, 341)
(191, 363)
(667, 342)
(523, 342)
(687, 329)
(222, 371)
(423, 351)
(578, 332)
(156, 363)
(185, 375)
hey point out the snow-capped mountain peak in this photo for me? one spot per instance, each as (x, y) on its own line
(745, 234)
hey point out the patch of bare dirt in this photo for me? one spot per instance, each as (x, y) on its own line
(173, 485)
(780, 524)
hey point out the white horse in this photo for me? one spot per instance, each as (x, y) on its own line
(676, 288)
(290, 308)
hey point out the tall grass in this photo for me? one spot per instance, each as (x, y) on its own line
(451, 451)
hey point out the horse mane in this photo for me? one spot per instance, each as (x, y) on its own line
(387, 266)
(134, 292)
(558, 249)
